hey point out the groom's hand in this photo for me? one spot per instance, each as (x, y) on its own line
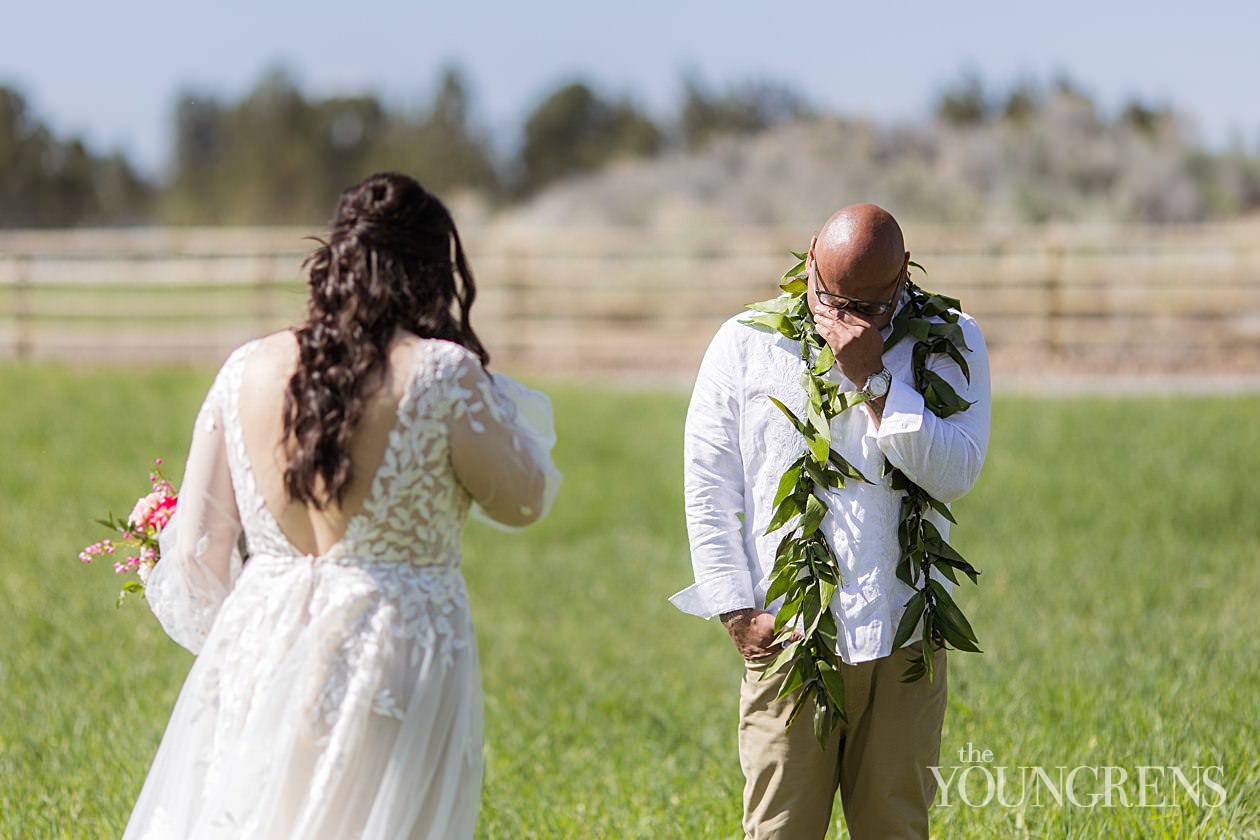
(855, 341)
(752, 631)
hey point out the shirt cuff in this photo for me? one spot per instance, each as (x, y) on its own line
(903, 410)
(716, 595)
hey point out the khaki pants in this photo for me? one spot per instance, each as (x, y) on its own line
(878, 759)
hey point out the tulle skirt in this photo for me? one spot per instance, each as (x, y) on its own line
(331, 701)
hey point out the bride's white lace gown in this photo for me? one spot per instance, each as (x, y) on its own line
(337, 696)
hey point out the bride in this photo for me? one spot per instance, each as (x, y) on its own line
(336, 691)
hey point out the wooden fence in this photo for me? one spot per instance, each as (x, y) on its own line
(626, 301)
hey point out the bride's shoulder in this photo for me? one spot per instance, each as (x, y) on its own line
(277, 345)
(444, 371)
(270, 354)
(440, 356)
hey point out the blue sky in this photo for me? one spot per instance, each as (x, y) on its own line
(110, 71)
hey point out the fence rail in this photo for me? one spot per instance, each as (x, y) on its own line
(632, 301)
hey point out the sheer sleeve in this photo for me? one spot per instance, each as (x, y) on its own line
(501, 437)
(199, 558)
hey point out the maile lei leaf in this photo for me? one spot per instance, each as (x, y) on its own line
(806, 573)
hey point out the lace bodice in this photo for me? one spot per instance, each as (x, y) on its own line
(415, 510)
(337, 695)
(461, 438)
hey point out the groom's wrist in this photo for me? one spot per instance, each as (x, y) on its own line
(742, 612)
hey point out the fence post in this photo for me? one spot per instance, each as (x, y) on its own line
(1055, 312)
(264, 305)
(22, 307)
(517, 328)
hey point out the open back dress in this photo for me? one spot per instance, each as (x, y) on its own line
(337, 695)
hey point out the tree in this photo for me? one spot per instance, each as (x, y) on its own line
(965, 102)
(279, 156)
(1145, 118)
(574, 130)
(194, 192)
(1023, 103)
(256, 162)
(442, 148)
(746, 109)
(49, 182)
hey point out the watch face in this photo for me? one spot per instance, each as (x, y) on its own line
(878, 384)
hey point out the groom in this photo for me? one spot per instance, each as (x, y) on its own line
(737, 446)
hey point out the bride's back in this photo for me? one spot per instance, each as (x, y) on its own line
(266, 374)
(317, 403)
(337, 690)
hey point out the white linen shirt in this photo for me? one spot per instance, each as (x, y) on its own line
(737, 446)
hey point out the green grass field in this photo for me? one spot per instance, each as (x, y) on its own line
(1118, 540)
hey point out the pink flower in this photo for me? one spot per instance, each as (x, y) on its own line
(139, 532)
(144, 507)
(90, 553)
(152, 511)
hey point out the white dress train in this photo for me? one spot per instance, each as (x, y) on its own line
(338, 696)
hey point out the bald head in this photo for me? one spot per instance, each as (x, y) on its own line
(859, 253)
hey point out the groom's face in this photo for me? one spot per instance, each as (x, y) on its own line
(860, 289)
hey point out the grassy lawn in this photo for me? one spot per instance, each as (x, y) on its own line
(1118, 542)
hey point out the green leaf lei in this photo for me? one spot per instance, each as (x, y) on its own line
(806, 573)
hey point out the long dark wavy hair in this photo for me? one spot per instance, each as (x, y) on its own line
(393, 259)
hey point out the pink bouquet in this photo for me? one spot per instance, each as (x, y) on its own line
(139, 533)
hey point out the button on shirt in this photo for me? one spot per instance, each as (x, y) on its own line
(737, 446)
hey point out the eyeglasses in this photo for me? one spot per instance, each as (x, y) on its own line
(866, 308)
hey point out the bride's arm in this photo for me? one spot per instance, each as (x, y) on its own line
(199, 559)
(501, 436)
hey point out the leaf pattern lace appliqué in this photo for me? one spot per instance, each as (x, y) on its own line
(388, 599)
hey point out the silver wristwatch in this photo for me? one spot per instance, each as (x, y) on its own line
(877, 384)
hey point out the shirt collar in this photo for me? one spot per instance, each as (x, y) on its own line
(886, 330)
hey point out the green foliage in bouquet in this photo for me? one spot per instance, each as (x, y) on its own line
(138, 534)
